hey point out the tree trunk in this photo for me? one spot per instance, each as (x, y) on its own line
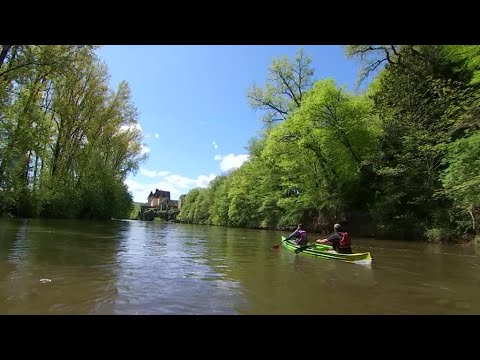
(473, 218)
(35, 173)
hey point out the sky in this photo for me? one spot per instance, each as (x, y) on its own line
(193, 110)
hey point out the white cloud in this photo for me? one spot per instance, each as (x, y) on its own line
(231, 161)
(131, 127)
(148, 173)
(145, 149)
(215, 146)
(147, 135)
(176, 184)
(156, 136)
(179, 180)
(204, 180)
(153, 173)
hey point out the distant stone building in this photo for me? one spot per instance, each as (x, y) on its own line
(159, 205)
(172, 203)
(161, 199)
(158, 198)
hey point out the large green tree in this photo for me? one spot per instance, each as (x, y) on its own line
(67, 140)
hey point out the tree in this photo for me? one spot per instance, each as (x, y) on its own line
(67, 139)
(286, 86)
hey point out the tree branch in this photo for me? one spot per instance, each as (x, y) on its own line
(23, 65)
(394, 50)
(290, 92)
(371, 68)
(270, 105)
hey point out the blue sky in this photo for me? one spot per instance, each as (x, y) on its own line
(193, 109)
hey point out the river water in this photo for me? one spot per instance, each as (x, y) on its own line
(135, 267)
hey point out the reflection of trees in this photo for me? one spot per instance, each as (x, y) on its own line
(8, 234)
(79, 257)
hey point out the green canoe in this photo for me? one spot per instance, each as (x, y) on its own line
(327, 252)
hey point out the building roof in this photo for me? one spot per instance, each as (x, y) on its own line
(159, 194)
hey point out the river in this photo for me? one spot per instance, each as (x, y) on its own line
(135, 267)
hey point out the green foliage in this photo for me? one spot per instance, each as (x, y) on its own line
(425, 98)
(437, 235)
(405, 152)
(465, 58)
(461, 179)
(187, 212)
(307, 168)
(67, 142)
(135, 212)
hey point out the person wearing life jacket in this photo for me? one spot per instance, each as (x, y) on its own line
(339, 240)
(300, 234)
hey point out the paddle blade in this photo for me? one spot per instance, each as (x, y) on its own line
(276, 246)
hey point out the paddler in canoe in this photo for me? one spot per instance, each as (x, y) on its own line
(300, 234)
(339, 240)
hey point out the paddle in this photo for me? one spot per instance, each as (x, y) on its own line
(301, 248)
(304, 247)
(278, 245)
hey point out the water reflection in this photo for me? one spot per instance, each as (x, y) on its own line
(134, 267)
(75, 256)
(164, 270)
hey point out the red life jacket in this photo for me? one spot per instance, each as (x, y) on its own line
(345, 242)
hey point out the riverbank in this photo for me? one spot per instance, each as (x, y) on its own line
(465, 240)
